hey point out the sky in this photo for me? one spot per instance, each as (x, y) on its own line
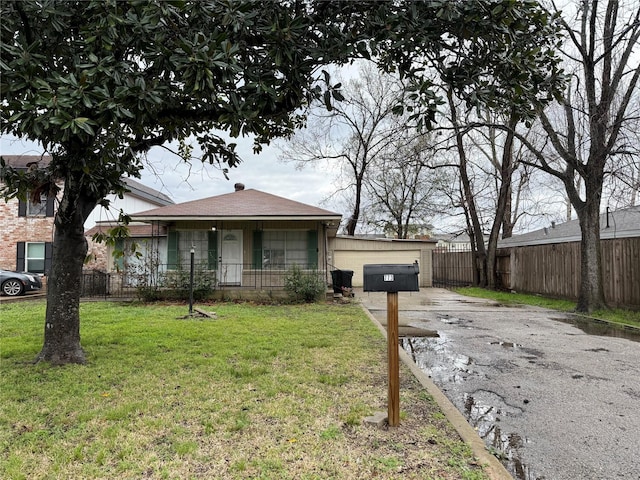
(264, 171)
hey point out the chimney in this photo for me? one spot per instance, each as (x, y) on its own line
(238, 186)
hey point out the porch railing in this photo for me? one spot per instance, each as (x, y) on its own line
(127, 282)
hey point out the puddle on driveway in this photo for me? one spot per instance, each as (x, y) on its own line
(483, 409)
(434, 356)
(593, 326)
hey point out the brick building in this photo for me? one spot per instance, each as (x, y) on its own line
(26, 228)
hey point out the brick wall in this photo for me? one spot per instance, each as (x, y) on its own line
(14, 229)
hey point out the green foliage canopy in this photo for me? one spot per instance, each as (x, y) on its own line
(97, 83)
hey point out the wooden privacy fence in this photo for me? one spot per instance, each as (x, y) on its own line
(552, 270)
(452, 267)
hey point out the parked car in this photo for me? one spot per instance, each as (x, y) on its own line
(17, 283)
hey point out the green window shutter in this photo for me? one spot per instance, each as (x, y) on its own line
(257, 249)
(212, 250)
(172, 250)
(119, 259)
(312, 249)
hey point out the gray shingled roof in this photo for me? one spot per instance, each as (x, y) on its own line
(247, 204)
(22, 161)
(147, 193)
(622, 223)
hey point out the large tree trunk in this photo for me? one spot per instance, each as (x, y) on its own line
(62, 323)
(591, 295)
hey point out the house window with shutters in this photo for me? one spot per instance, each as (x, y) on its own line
(180, 242)
(283, 249)
(34, 257)
(44, 208)
(37, 209)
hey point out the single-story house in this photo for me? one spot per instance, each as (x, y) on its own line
(623, 223)
(246, 238)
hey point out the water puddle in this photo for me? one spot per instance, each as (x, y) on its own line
(483, 409)
(435, 356)
(507, 344)
(449, 320)
(593, 326)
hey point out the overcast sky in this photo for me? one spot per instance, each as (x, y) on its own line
(183, 183)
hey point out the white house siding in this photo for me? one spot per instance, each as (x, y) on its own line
(350, 253)
(129, 204)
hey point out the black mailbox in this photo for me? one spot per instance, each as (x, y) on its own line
(391, 278)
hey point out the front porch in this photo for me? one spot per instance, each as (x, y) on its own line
(255, 284)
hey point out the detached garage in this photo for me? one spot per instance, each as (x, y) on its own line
(352, 253)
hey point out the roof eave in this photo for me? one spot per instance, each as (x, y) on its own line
(604, 235)
(199, 218)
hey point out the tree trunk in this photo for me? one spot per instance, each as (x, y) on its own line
(504, 202)
(591, 295)
(62, 323)
(355, 215)
(476, 235)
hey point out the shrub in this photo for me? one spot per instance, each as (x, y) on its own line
(175, 285)
(303, 286)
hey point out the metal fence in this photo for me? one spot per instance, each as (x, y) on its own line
(133, 279)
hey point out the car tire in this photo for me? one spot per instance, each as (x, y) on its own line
(12, 287)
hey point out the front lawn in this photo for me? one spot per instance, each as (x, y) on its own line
(269, 392)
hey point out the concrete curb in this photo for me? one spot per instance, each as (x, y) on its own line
(492, 465)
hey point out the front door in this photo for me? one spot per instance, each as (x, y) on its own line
(230, 272)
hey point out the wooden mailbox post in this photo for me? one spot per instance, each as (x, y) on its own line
(392, 278)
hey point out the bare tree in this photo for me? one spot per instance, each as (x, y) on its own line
(357, 132)
(403, 190)
(586, 134)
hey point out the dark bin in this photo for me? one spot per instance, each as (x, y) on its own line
(341, 279)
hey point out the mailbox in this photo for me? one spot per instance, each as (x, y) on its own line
(391, 278)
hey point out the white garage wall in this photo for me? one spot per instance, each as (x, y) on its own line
(349, 253)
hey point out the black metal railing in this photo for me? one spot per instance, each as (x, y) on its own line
(132, 279)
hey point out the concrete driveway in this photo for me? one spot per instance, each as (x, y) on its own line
(553, 400)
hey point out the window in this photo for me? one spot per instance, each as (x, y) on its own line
(192, 238)
(34, 209)
(37, 209)
(34, 257)
(283, 249)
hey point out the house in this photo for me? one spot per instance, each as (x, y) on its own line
(623, 223)
(27, 227)
(455, 242)
(243, 239)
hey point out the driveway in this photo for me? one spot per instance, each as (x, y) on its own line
(553, 400)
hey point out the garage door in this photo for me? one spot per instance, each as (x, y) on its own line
(355, 259)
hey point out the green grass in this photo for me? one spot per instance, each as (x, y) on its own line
(614, 315)
(269, 392)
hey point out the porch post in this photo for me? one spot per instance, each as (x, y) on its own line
(193, 251)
